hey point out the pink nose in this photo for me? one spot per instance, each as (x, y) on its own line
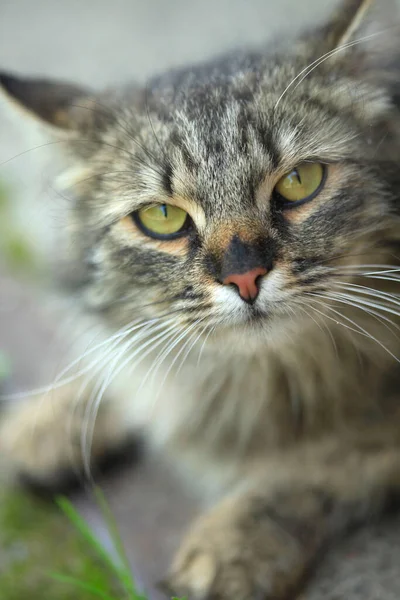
(247, 283)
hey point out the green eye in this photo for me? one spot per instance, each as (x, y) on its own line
(301, 184)
(163, 221)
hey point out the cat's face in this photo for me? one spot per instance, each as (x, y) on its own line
(230, 195)
(211, 217)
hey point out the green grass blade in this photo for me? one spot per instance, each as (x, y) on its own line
(123, 573)
(69, 510)
(112, 526)
(81, 585)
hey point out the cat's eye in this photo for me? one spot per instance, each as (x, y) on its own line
(163, 221)
(302, 184)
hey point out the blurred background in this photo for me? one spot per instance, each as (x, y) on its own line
(97, 43)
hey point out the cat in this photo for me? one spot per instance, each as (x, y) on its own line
(234, 228)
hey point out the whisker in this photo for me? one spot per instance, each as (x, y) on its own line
(359, 270)
(60, 381)
(359, 328)
(336, 321)
(159, 359)
(319, 325)
(184, 358)
(97, 396)
(309, 68)
(361, 305)
(170, 348)
(390, 299)
(105, 360)
(117, 121)
(211, 331)
(193, 326)
(38, 147)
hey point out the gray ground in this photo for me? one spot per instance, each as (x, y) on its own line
(97, 42)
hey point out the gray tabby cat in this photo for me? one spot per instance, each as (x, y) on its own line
(235, 228)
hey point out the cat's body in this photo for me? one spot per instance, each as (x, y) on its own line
(231, 342)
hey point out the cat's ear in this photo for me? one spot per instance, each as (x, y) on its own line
(367, 30)
(65, 107)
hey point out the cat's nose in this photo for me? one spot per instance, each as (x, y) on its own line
(247, 284)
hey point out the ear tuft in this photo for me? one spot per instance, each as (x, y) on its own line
(370, 25)
(347, 20)
(363, 39)
(50, 102)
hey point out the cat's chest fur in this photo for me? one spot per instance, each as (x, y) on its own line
(230, 408)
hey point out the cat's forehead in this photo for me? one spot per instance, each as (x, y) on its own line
(247, 102)
(217, 133)
(223, 131)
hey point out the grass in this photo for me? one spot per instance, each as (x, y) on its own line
(34, 539)
(43, 557)
(15, 251)
(119, 568)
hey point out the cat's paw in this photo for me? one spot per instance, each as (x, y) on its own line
(47, 441)
(38, 437)
(233, 554)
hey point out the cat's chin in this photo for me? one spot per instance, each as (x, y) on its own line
(251, 334)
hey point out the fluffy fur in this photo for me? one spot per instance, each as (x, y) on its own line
(284, 413)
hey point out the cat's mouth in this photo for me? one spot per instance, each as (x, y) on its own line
(246, 332)
(255, 314)
(248, 318)
(260, 321)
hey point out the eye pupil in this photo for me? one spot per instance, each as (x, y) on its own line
(293, 178)
(164, 210)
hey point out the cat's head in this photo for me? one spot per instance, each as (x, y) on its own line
(234, 194)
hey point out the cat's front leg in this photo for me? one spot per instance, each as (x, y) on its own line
(244, 550)
(260, 545)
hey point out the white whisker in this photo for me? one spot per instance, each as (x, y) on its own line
(184, 358)
(359, 329)
(159, 359)
(60, 381)
(114, 351)
(211, 331)
(361, 305)
(94, 404)
(389, 299)
(316, 63)
(168, 351)
(319, 325)
(186, 332)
